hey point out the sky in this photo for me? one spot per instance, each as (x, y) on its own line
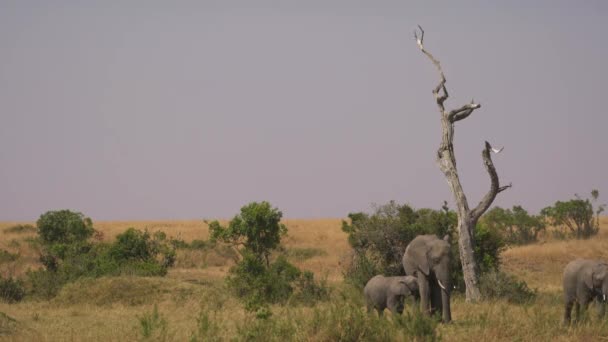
(192, 109)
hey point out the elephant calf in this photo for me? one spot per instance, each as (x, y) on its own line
(584, 280)
(389, 292)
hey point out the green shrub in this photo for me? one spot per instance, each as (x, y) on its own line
(133, 244)
(516, 226)
(64, 226)
(258, 285)
(499, 285)
(11, 290)
(576, 218)
(257, 228)
(21, 228)
(488, 246)
(67, 259)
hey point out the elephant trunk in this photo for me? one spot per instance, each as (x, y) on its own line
(443, 279)
(445, 303)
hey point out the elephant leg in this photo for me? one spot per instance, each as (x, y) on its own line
(423, 289)
(568, 310)
(577, 311)
(393, 304)
(583, 305)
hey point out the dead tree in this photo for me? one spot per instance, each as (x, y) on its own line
(467, 218)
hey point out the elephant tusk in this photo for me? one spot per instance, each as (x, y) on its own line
(604, 297)
(443, 287)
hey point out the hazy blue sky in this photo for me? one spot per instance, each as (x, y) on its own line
(152, 110)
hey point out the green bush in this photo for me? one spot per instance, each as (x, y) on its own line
(64, 226)
(11, 290)
(133, 244)
(488, 245)
(576, 218)
(258, 285)
(257, 228)
(499, 285)
(516, 226)
(67, 259)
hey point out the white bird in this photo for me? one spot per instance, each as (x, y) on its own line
(497, 150)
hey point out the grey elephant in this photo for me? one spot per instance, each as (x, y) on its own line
(584, 280)
(427, 258)
(389, 292)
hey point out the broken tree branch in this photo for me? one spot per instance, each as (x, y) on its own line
(440, 98)
(463, 112)
(495, 188)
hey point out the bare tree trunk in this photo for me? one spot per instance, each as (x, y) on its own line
(467, 218)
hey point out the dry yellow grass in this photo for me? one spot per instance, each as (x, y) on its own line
(95, 310)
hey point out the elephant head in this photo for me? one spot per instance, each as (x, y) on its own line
(597, 278)
(428, 257)
(431, 254)
(405, 286)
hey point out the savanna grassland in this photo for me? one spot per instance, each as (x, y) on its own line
(191, 301)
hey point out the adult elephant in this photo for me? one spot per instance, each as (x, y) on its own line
(584, 280)
(427, 258)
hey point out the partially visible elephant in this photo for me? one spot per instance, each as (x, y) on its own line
(389, 292)
(427, 258)
(584, 280)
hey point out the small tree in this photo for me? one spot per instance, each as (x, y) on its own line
(516, 225)
(257, 229)
(255, 233)
(64, 226)
(576, 217)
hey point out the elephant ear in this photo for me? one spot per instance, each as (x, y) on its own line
(401, 288)
(422, 259)
(599, 273)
